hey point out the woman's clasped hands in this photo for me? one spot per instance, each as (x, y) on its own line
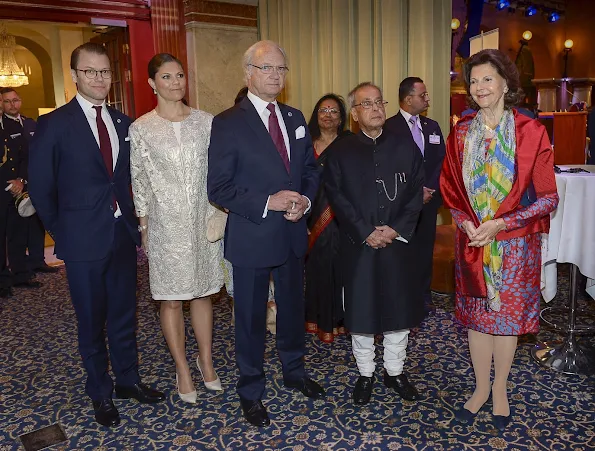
(485, 233)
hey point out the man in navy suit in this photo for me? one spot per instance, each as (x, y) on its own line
(14, 120)
(408, 124)
(79, 172)
(262, 169)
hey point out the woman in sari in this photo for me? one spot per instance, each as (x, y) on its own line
(324, 304)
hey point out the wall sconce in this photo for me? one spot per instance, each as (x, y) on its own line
(455, 24)
(567, 49)
(527, 35)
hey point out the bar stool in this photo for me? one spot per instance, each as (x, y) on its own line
(568, 356)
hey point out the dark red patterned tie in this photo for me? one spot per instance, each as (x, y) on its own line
(277, 136)
(105, 145)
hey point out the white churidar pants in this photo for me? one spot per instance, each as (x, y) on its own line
(395, 351)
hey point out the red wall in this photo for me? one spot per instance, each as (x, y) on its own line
(141, 52)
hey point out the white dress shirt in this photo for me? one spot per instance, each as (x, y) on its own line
(261, 108)
(408, 116)
(91, 115)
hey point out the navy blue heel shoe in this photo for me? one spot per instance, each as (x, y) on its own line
(501, 422)
(465, 416)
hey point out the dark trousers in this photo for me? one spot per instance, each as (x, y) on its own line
(13, 243)
(35, 242)
(251, 288)
(105, 291)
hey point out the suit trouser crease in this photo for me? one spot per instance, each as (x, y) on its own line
(104, 291)
(251, 287)
(395, 352)
(13, 244)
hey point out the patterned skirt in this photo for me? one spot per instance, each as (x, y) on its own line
(520, 293)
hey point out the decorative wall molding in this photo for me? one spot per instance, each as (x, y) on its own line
(218, 26)
(215, 12)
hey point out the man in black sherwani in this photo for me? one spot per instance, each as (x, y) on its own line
(374, 181)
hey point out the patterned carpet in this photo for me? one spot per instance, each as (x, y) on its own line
(42, 380)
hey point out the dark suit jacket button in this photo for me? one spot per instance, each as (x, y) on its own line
(290, 183)
(381, 207)
(381, 222)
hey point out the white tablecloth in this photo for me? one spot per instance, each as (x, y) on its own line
(572, 231)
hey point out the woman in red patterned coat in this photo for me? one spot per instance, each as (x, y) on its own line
(498, 181)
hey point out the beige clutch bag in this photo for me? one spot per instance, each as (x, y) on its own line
(216, 225)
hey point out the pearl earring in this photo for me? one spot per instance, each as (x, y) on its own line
(154, 91)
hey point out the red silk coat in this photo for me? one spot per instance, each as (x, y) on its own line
(534, 163)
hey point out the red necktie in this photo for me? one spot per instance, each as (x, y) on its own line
(277, 136)
(105, 145)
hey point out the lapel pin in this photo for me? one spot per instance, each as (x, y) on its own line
(289, 113)
(118, 120)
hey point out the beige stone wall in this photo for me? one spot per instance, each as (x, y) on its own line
(215, 63)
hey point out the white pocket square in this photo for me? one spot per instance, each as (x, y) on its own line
(300, 132)
(127, 138)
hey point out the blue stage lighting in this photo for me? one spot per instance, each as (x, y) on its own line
(530, 11)
(503, 4)
(553, 16)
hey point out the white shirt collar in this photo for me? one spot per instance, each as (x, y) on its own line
(16, 118)
(406, 115)
(85, 104)
(259, 104)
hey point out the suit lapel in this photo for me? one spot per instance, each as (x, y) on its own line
(425, 132)
(121, 130)
(289, 126)
(255, 122)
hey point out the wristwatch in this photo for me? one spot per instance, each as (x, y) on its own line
(142, 227)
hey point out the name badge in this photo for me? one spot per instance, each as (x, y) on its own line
(434, 138)
(16, 135)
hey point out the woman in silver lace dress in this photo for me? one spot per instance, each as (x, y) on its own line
(168, 161)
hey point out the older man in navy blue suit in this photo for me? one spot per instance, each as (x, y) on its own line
(79, 178)
(262, 169)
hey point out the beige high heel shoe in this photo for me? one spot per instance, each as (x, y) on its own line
(213, 385)
(186, 397)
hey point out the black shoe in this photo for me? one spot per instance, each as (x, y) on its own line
(140, 392)
(46, 268)
(363, 390)
(465, 416)
(28, 284)
(106, 413)
(307, 386)
(5, 292)
(255, 413)
(402, 386)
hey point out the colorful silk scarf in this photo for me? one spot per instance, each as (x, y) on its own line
(488, 177)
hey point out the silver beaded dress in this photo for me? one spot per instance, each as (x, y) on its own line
(168, 163)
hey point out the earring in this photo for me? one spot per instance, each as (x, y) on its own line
(154, 91)
(505, 90)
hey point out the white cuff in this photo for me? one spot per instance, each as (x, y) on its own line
(309, 204)
(266, 208)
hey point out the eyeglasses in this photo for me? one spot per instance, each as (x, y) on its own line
(281, 70)
(13, 101)
(92, 73)
(331, 111)
(367, 104)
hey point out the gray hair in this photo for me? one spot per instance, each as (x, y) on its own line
(249, 56)
(365, 84)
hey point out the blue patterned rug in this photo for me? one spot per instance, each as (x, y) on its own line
(42, 382)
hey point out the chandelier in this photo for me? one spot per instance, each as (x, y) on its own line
(11, 75)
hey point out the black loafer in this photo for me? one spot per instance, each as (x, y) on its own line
(106, 413)
(307, 386)
(140, 392)
(28, 284)
(363, 390)
(402, 386)
(255, 413)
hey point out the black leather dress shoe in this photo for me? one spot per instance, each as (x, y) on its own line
(363, 390)
(28, 284)
(255, 413)
(402, 386)
(307, 386)
(46, 268)
(140, 392)
(106, 413)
